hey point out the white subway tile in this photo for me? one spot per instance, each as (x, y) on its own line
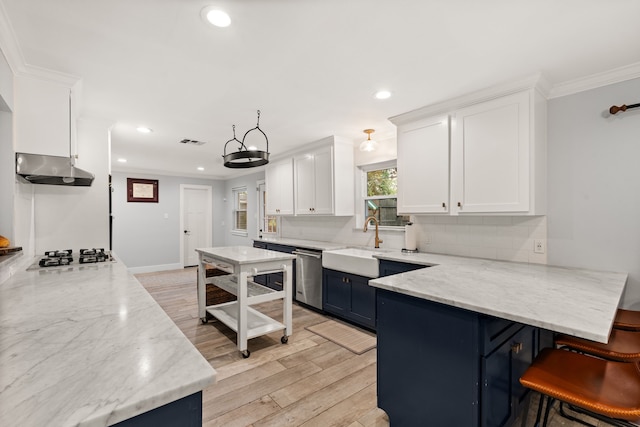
(446, 220)
(470, 220)
(496, 220)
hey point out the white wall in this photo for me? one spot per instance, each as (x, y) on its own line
(142, 237)
(6, 83)
(594, 183)
(77, 217)
(249, 181)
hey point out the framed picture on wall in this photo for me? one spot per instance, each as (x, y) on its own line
(142, 190)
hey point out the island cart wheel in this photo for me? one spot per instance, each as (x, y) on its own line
(246, 353)
(284, 339)
(203, 320)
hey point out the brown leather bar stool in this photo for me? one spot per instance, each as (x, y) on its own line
(603, 389)
(629, 320)
(623, 346)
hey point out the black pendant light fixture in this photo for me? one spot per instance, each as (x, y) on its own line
(245, 157)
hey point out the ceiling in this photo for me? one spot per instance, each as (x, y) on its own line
(310, 66)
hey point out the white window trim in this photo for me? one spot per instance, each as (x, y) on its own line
(264, 214)
(361, 191)
(235, 193)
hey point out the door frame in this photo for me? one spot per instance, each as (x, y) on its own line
(262, 213)
(208, 216)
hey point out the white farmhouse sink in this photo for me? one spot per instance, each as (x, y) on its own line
(353, 260)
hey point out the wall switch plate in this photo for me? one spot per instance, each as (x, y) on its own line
(538, 246)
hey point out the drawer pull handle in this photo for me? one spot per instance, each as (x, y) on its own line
(516, 347)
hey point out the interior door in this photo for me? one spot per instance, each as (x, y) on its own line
(196, 212)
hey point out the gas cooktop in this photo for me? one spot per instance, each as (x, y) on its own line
(65, 259)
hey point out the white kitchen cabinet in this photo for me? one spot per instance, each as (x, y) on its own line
(490, 158)
(279, 182)
(491, 161)
(324, 180)
(423, 166)
(43, 125)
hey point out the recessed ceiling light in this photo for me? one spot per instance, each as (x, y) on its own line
(216, 17)
(144, 129)
(382, 94)
(200, 168)
(122, 160)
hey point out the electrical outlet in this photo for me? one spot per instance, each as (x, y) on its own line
(538, 246)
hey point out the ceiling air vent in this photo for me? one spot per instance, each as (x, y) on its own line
(192, 142)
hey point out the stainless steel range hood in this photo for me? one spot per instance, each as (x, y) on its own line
(51, 170)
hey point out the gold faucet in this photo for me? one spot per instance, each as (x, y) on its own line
(366, 227)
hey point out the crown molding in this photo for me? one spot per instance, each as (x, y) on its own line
(12, 52)
(536, 81)
(617, 75)
(8, 42)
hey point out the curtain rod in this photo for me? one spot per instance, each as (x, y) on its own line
(614, 109)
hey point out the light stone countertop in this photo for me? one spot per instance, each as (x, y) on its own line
(244, 254)
(89, 347)
(305, 244)
(569, 300)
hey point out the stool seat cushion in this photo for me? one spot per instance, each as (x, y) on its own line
(627, 319)
(602, 386)
(623, 345)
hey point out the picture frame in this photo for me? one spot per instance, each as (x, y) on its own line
(142, 190)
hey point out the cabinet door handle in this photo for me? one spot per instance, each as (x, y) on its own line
(459, 204)
(516, 347)
(444, 205)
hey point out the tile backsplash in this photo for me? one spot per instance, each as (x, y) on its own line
(509, 238)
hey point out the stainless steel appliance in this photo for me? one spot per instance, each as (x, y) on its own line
(309, 277)
(52, 170)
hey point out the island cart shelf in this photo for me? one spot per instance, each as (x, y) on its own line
(244, 263)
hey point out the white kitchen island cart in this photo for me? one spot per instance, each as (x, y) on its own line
(244, 262)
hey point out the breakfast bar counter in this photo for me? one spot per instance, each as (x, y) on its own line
(88, 346)
(574, 301)
(455, 336)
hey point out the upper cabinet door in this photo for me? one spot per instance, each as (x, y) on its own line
(279, 181)
(304, 169)
(490, 156)
(323, 181)
(423, 166)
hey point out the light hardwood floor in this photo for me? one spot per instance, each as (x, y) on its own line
(308, 382)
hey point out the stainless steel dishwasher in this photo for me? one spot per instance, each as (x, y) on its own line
(309, 277)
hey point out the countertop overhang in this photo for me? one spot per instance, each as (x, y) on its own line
(574, 301)
(89, 347)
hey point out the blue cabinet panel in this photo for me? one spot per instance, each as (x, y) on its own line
(349, 297)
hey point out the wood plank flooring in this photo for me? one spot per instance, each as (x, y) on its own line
(308, 382)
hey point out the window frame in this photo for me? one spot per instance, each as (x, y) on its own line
(263, 217)
(361, 212)
(236, 191)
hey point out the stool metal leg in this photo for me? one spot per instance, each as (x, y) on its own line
(550, 402)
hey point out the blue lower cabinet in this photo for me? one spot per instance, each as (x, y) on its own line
(388, 268)
(349, 297)
(185, 412)
(441, 365)
(274, 280)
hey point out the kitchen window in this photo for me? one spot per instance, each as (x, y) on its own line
(380, 188)
(240, 210)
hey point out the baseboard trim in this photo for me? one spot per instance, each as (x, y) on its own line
(154, 268)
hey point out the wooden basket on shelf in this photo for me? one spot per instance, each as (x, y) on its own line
(215, 295)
